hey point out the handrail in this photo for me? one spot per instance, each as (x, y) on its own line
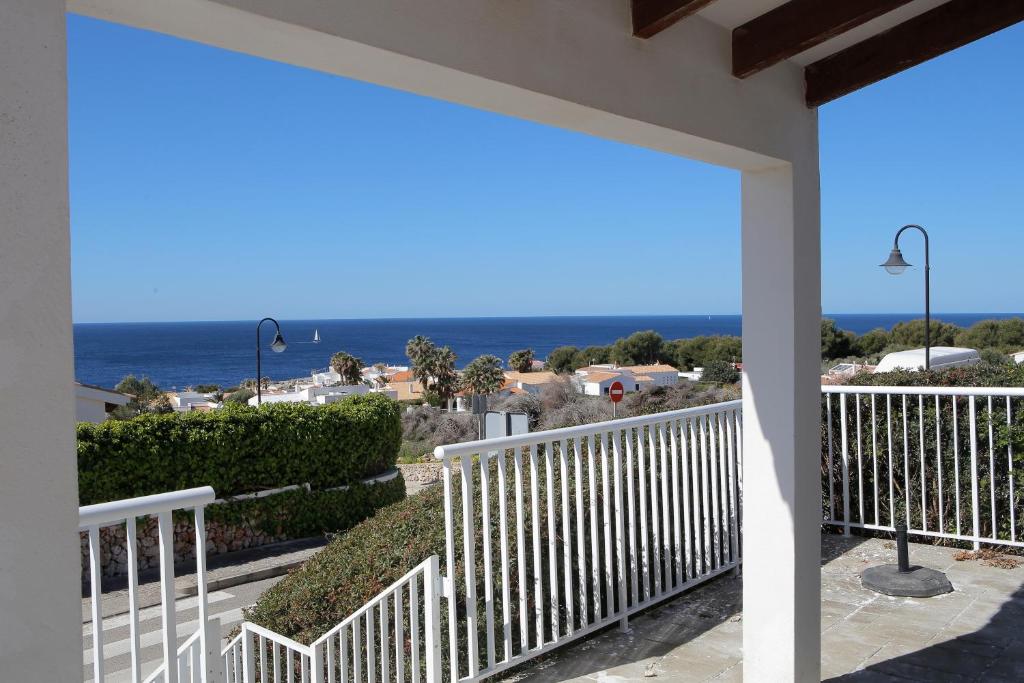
(515, 441)
(1015, 392)
(370, 604)
(102, 514)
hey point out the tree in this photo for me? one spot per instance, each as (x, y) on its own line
(871, 343)
(147, 397)
(241, 396)
(639, 348)
(1002, 335)
(562, 359)
(593, 355)
(483, 375)
(422, 353)
(911, 334)
(521, 361)
(348, 366)
(207, 388)
(720, 372)
(446, 377)
(835, 343)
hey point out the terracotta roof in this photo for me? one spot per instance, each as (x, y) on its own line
(541, 377)
(644, 369)
(403, 376)
(601, 376)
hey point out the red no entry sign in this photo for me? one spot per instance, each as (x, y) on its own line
(616, 392)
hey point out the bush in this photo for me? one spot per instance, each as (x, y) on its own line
(241, 396)
(720, 372)
(239, 449)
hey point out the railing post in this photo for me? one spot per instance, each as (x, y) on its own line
(846, 464)
(170, 640)
(975, 513)
(248, 658)
(318, 663)
(432, 620)
(214, 663)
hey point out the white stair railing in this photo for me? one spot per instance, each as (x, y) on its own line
(197, 659)
(572, 529)
(941, 459)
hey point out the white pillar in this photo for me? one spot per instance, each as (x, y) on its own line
(781, 442)
(40, 609)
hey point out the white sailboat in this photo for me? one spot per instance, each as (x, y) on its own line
(316, 336)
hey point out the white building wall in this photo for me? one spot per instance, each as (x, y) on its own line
(40, 576)
(90, 410)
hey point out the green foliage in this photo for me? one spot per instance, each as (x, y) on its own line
(483, 375)
(593, 355)
(301, 513)
(835, 343)
(870, 343)
(241, 396)
(348, 366)
(521, 361)
(239, 449)
(433, 367)
(562, 359)
(147, 397)
(720, 372)
(697, 352)
(911, 334)
(1001, 335)
(206, 388)
(639, 348)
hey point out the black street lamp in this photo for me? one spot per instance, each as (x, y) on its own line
(895, 265)
(277, 346)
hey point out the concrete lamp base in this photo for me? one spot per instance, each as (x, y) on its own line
(916, 582)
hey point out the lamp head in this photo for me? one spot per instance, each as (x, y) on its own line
(895, 264)
(278, 344)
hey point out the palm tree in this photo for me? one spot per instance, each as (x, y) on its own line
(348, 366)
(483, 376)
(521, 361)
(421, 352)
(446, 377)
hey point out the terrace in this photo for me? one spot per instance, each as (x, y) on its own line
(733, 83)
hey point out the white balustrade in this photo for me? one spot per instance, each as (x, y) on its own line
(941, 459)
(192, 662)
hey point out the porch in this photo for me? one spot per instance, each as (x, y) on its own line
(970, 634)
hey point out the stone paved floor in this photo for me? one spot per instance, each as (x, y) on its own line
(975, 633)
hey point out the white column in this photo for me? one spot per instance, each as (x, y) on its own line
(781, 442)
(40, 609)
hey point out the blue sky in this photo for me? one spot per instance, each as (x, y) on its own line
(208, 185)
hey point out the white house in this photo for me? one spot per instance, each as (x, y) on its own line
(659, 374)
(185, 401)
(595, 380)
(94, 404)
(531, 382)
(942, 357)
(1018, 357)
(313, 395)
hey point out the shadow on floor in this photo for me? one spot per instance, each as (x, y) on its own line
(995, 653)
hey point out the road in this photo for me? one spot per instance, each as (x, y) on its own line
(225, 605)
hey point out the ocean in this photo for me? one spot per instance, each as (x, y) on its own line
(179, 354)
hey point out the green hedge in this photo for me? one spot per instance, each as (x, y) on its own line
(239, 449)
(301, 513)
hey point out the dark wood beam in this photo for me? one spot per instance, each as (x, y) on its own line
(651, 17)
(916, 40)
(796, 26)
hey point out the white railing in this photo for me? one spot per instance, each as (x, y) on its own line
(196, 659)
(259, 654)
(394, 637)
(939, 458)
(576, 528)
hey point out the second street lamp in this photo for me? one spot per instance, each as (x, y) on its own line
(277, 346)
(896, 265)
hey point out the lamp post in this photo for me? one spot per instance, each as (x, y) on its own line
(895, 265)
(277, 346)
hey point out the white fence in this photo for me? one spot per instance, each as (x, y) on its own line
(939, 458)
(196, 660)
(576, 528)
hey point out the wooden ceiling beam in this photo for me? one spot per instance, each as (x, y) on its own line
(916, 40)
(651, 17)
(796, 26)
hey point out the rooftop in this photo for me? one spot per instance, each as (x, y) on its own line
(972, 633)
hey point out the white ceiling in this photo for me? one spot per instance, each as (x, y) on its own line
(733, 13)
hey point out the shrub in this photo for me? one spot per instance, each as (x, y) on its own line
(241, 396)
(239, 449)
(720, 372)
